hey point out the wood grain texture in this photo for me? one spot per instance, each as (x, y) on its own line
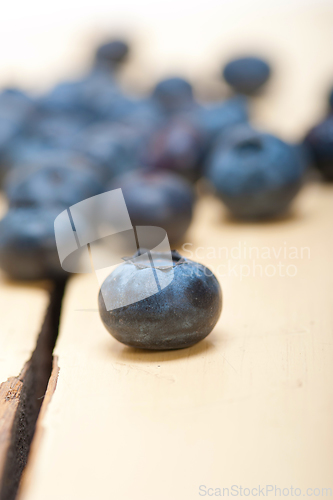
(26, 477)
(10, 392)
(252, 404)
(22, 312)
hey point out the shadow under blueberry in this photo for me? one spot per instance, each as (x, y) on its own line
(293, 215)
(133, 355)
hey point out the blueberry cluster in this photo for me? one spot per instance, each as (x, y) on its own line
(89, 136)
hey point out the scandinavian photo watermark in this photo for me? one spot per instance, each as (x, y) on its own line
(243, 260)
(264, 491)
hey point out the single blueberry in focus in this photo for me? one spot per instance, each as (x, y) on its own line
(112, 52)
(319, 142)
(27, 245)
(255, 174)
(60, 179)
(174, 94)
(247, 74)
(161, 199)
(183, 312)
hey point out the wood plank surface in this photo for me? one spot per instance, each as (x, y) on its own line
(22, 311)
(252, 404)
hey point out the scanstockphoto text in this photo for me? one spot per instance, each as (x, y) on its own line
(262, 490)
(242, 260)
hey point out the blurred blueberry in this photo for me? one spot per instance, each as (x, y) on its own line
(86, 95)
(174, 94)
(161, 199)
(247, 74)
(27, 245)
(319, 141)
(15, 110)
(114, 148)
(65, 97)
(24, 150)
(57, 129)
(145, 116)
(255, 174)
(55, 179)
(9, 132)
(216, 119)
(181, 314)
(178, 147)
(15, 105)
(112, 53)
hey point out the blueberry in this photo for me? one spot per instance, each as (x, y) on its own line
(15, 105)
(145, 116)
(9, 132)
(97, 92)
(174, 94)
(63, 98)
(247, 74)
(255, 174)
(114, 148)
(319, 142)
(59, 179)
(112, 52)
(101, 95)
(181, 314)
(178, 147)
(27, 245)
(161, 199)
(57, 129)
(216, 119)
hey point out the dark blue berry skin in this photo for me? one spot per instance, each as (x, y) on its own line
(114, 148)
(112, 53)
(177, 147)
(95, 94)
(57, 129)
(27, 245)
(145, 117)
(319, 142)
(161, 199)
(56, 180)
(63, 98)
(247, 74)
(9, 132)
(178, 316)
(24, 150)
(15, 106)
(255, 174)
(174, 95)
(15, 110)
(218, 118)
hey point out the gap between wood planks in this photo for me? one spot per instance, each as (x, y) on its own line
(21, 399)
